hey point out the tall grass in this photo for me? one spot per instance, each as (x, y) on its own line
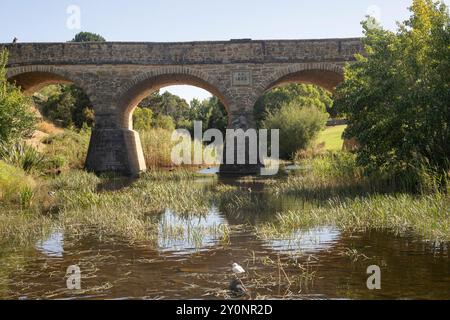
(340, 194)
(427, 216)
(67, 150)
(337, 174)
(15, 185)
(21, 205)
(157, 145)
(129, 212)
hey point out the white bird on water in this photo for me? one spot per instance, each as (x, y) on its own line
(237, 269)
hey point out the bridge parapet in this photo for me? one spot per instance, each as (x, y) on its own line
(214, 52)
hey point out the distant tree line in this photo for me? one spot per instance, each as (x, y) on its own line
(170, 111)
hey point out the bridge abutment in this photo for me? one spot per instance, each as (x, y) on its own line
(115, 150)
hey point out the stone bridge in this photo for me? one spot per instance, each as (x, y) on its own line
(117, 76)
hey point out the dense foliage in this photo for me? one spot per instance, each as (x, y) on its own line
(301, 94)
(397, 97)
(211, 112)
(166, 104)
(16, 117)
(66, 105)
(142, 119)
(167, 111)
(298, 125)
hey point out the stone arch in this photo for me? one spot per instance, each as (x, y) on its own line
(326, 75)
(144, 84)
(34, 78)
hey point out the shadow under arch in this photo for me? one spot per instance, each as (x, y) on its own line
(32, 82)
(33, 78)
(144, 85)
(325, 75)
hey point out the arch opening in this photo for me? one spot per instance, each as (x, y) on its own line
(65, 118)
(143, 89)
(299, 99)
(153, 108)
(51, 93)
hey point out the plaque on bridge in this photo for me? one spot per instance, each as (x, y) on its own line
(242, 78)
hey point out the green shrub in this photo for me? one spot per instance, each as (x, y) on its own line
(142, 119)
(302, 94)
(67, 105)
(333, 166)
(56, 162)
(298, 126)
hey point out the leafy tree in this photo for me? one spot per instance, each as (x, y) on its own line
(16, 117)
(164, 122)
(186, 124)
(211, 112)
(298, 126)
(88, 37)
(68, 105)
(218, 116)
(142, 119)
(302, 94)
(396, 98)
(167, 104)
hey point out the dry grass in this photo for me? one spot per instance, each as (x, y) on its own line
(157, 145)
(66, 150)
(48, 128)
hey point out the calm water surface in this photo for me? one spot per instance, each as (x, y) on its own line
(321, 263)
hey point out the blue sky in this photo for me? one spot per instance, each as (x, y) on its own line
(177, 20)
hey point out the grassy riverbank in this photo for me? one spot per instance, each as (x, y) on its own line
(327, 190)
(335, 192)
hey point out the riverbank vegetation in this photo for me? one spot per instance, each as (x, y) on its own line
(396, 97)
(334, 191)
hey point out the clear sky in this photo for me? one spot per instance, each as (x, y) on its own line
(194, 20)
